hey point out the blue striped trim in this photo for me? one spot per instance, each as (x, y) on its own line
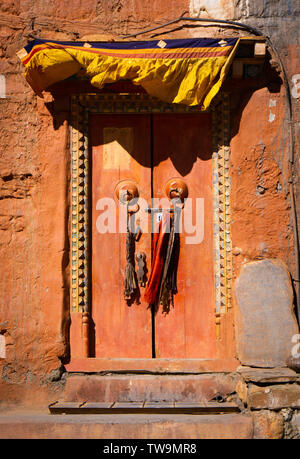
(152, 44)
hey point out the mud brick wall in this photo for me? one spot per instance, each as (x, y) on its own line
(34, 176)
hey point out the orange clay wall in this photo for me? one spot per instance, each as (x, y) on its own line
(35, 164)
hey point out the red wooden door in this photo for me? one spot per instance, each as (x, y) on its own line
(150, 150)
(182, 148)
(120, 151)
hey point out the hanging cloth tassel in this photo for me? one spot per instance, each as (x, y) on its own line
(162, 283)
(168, 287)
(130, 284)
(159, 246)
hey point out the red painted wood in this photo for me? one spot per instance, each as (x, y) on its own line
(182, 148)
(121, 330)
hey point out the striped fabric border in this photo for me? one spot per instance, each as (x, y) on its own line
(160, 49)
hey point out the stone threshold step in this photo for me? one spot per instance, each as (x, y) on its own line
(142, 408)
(97, 426)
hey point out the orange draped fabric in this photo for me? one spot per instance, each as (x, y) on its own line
(159, 247)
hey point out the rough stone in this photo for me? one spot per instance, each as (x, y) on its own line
(295, 424)
(269, 375)
(265, 319)
(274, 397)
(242, 391)
(267, 425)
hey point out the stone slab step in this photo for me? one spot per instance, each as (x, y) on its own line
(154, 426)
(145, 407)
(132, 387)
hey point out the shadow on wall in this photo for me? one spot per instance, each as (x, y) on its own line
(58, 105)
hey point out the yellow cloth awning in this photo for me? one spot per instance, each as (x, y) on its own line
(186, 71)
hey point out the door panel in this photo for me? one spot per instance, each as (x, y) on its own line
(182, 148)
(151, 153)
(120, 150)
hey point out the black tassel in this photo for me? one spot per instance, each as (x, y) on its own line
(130, 284)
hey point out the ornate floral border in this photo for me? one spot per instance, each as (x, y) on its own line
(82, 106)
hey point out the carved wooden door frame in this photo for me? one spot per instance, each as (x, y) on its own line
(81, 107)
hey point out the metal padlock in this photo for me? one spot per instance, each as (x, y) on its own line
(141, 269)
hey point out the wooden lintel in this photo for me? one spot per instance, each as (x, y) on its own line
(251, 40)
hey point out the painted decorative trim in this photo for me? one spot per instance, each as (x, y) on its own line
(221, 209)
(82, 106)
(79, 206)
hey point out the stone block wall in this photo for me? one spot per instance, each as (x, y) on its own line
(272, 397)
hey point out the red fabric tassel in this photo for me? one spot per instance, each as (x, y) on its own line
(159, 244)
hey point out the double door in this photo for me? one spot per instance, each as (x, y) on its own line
(149, 150)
